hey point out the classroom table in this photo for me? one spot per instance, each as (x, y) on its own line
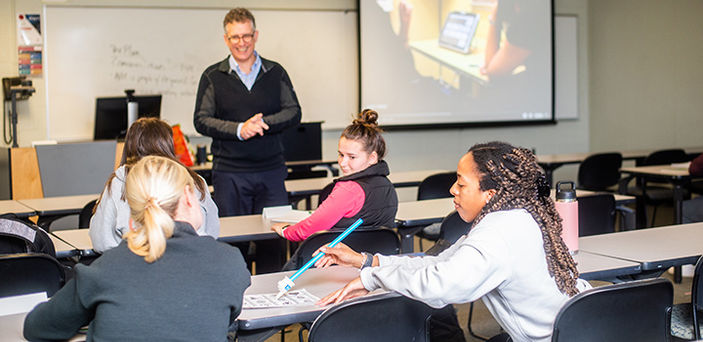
(15, 207)
(551, 162)
(599, 267)
(656, 249)
(677, 176)
(245, 228)
(321, 282)
(52, 208)
(414, 215)
(76, 242)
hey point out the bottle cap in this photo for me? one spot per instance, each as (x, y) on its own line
(566, 194)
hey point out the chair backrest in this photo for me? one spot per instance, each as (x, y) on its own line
(30, 273)
(436, 186)
(376, 240)
(18, 236)
(600, 171)
(631, 311)
(451, 229)
(385, 317)
(663, 157)
(86, 213)
(596, 214)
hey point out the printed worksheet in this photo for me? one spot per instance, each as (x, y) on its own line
(268, 300)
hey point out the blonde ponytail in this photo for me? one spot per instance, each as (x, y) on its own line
(153, 188)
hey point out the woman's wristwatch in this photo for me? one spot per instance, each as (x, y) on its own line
(367, 261)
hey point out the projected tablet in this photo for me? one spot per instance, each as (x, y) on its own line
(458, 30)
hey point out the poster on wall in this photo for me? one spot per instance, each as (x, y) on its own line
(29, 44)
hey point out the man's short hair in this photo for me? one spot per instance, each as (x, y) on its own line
(240, 15)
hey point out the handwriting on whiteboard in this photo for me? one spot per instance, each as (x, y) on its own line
(152, 75)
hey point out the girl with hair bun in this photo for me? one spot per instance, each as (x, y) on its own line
(513, 258)
(146, 137)
(363, 191)
(163, 283)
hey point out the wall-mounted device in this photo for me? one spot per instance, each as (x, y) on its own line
(14, 89)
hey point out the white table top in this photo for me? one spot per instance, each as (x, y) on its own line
(655, 248)
(658, 170)
(232, 229)
(319, 282)
(60, 205)
(600, 267)
(15, 207)
(244, 228)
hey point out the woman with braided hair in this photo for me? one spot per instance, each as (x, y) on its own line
(513, 257)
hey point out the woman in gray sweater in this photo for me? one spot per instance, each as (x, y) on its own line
(162, 282)
(146, 136)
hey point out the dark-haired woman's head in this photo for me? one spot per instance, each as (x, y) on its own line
(361, 144)
(497, 176)
(148, 137)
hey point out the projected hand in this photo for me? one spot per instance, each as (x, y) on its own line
(255, 125)
(405, 11)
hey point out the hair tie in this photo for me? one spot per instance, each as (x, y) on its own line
(151, 203)
(543, 187)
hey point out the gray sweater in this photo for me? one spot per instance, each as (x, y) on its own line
(192, 293)
(111, 218)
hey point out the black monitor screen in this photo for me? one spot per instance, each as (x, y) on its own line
(111, 114)
(303, 142)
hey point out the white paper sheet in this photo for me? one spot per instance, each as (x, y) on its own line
(268, 300)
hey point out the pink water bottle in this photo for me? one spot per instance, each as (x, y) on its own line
(568, 208)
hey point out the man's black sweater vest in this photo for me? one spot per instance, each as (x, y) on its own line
(234, 102)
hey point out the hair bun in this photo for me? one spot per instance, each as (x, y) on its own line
(367, 117)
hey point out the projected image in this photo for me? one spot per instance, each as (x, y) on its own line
(442, 62)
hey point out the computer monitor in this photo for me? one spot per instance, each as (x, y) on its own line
(303, 142)
(111, 114)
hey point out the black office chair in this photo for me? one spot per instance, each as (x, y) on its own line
(600, 172)
(433, 187)
(19, 236)
(451, 229)
(631, 311)
(685, 318)
(30, 273)
(596, 214)
(385, 317)
(86, 213)
(647, 190)
(376, 240)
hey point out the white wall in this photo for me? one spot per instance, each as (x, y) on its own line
(646, 75)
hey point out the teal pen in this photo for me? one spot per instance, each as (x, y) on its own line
(287, 283)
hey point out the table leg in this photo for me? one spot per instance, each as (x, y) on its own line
(678, 218)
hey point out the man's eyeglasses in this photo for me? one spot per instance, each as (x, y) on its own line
(247, 38)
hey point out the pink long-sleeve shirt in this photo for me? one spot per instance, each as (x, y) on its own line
(345, 200)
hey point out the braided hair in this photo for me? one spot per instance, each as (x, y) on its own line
(520, 183)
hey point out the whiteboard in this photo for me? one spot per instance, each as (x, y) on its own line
(566, 67)
(101, 51)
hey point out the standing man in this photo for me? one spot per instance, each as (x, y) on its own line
(244, 102)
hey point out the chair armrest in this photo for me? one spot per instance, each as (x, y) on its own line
(628, 220)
